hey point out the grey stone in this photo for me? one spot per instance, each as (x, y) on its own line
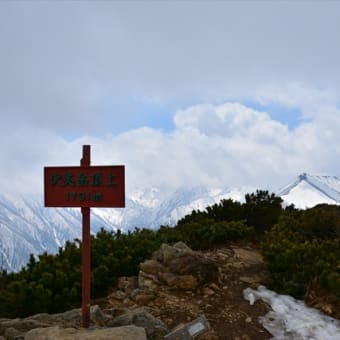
(71, 318)
(127, 284)
(12, 333)
(185, 282)
(12, 328)
(151, 267)
(178, 259)
(97, 316)
(248, 257)
(148, 282)
(134, 293)
(167, 253)
(58, 333)
(21, 325)
(155, 328)
(202, 269)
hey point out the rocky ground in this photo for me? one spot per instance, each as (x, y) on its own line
(166, 289)
(176, 286)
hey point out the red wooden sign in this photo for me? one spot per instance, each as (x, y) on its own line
(92, 186)
(85, 186)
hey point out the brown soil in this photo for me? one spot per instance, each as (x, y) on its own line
(230, 316)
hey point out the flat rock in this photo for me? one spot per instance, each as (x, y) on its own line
(57, 333)
(253, 281)
(151, 267)
(155, 328)
(248, 257)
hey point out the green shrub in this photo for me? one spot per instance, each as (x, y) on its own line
(299, 250)
(52, 283)
(262, 210)
(222, 232)
(208, 233)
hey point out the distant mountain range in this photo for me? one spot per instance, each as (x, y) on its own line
(309, 190)
(27, 227)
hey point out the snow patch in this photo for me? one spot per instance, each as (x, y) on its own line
(291, 319)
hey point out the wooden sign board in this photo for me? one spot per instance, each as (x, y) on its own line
(85, 187)
(91, 186)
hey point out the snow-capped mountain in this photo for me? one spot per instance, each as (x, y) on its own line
(27, 227)
(309, 190)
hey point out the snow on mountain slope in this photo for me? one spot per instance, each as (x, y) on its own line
(27, 227)
(310, 190)
(184, 202)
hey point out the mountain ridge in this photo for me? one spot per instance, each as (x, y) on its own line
(27, 227)
(309, 190)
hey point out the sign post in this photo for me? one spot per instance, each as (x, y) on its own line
(85, 187)
(86, 253)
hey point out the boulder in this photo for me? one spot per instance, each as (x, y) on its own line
(13, 333)
(167, 253)
(155, 328)
(57, 333)
(127, 284)
(71, 318)
(148, 282)
(66, 325)
(248, 257)
(151, 267)
(184, 282)
(11, 328)
(178, 267)
(202, 269)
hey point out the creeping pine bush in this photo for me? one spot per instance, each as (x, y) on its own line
(297, 252)
(52, 283)
(205, 233)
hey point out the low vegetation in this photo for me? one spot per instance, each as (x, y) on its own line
(302, 248)
(298, 246)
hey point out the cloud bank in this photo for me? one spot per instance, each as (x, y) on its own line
(183, 93)
(227, 145)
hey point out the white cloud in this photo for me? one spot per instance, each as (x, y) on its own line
(309, 99)
(60, 61)
(239, 146)
(81, 69)
(231, 120)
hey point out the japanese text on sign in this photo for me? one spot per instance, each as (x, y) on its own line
(101, 186)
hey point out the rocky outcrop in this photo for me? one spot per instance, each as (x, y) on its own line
(247, 257)
(174, 267)
(58, 333)
(154, 328)
(104, 324)
(173, 287)
(178, 284)
(178, 267)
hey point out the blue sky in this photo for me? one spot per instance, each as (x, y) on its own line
(290, 116)
(207, 92)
